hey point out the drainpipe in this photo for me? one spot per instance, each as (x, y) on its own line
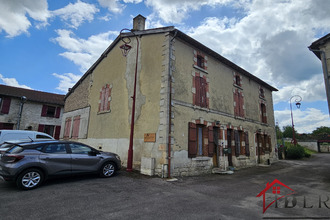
(23, 100)
(170, 106)
(325, 73)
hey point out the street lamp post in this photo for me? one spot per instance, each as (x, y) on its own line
(298, 104)
(125, 49)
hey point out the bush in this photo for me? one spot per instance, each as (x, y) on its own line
(295, 152)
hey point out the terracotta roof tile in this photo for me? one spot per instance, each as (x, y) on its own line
(32, 95)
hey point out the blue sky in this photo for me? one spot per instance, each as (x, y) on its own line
(48, 45)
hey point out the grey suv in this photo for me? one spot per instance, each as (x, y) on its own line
(30, 163)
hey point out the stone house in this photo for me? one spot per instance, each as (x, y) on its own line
(25, 109)
(195, 109)
(321, 48)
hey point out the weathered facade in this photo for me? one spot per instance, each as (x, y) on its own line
(25, 109)
(321, 48)
(192, 105)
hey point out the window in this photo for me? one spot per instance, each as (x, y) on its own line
(200, 140)
(238, 103)
(263, 113)
(50, 111)
(6, 126)
(261, 93)
(237, 79)
(5, 105)
(242, 146)
(200, 61)
(52, 130)
(79, 149)
(201, 89)
(105, 98)
(55, 149)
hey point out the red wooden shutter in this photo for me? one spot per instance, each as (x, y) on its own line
(5, 105)
(57, 132)
(211, 142)
(203, 92)
(247, 144)
(67, 128)
(236, 107)
(41, 128)
(237, 143)
(106, 97)
(192, 140)
(75, 128)
(198, 91)
(58, 112)
(44, 111)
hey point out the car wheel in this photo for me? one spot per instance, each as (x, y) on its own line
(108, 169)
(29, 179)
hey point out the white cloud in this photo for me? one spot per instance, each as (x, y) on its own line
(310, 90)
(12, 82)
(304, 121)
(77, 13)
(83, 52)
(112, 5)
(271, 42)
(14, 15)
(67, 80)
(175, 11)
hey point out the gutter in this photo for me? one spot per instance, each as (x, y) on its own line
(170, 106)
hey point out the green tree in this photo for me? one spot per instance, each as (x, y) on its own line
(321, 132)
(279, 133)
(287, 132)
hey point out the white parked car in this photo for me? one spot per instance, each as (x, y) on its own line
(10, 135)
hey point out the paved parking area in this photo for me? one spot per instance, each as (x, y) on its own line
(134, 196)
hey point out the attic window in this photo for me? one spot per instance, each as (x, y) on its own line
(262, 93)
(200, 61)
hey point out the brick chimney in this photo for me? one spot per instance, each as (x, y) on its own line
(139, 23)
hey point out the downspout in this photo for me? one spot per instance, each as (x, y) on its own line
(170, 106)
(325, 73)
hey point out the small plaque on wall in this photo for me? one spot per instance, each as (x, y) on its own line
(150, 137)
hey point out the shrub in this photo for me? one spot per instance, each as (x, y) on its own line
(295, 152)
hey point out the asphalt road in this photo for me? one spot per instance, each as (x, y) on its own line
(134, 196)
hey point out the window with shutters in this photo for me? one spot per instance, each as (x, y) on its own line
(200, 91)
(242, 145)
(5, 104)
(50, 111)
(200, 140)
(48, 129)
(238, 103)
(105, 99)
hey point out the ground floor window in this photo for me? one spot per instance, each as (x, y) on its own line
(52, 130)
(6, 126)
(200, 140)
